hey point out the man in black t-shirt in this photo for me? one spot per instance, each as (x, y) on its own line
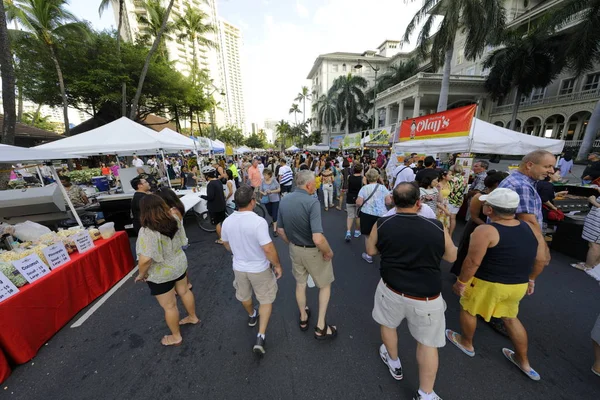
(429, 170)
(215, 199)
(142, 188)
(411, 284)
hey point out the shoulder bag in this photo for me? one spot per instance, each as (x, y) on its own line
(367, 199)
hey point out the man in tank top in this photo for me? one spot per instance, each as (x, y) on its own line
(505, 257)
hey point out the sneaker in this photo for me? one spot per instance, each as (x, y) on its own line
(432, 396)
(356, 234)
(367, 258)
(348, 236)
(395, 372)
(252, 320)
(259, 347)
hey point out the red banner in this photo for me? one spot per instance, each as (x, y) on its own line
(451, 123)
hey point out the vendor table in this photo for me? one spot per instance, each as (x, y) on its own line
(31, 317)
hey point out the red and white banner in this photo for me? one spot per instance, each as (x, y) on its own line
(452, 123)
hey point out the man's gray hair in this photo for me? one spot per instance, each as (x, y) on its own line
(243, 196)
(484, 164)
(536, 156)
(503, 211)
(303, 177)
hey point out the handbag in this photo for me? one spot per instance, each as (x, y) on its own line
(554, 215)
(367, 199)
(265, 198)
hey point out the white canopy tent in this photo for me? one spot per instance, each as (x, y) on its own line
(170, 136)
(10, 154)
(292, 148)
(242, 150)
(121, 137)
(217, 146)
(484, 138)
(318, 147)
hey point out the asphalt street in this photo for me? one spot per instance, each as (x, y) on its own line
(116, 353)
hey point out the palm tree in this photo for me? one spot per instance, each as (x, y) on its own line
(294, 109)
(348, 92)
(326, 111)
(103, 6)
(582, 51)
(303, 96)
(153, 23)
(192, 27)
(481, 20)
(47, 21)
(7, 72)
(282, 128)
(157, 41)
(525, 63)
(398, 73)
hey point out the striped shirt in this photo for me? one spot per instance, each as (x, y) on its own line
(530, 201)
(286, 175)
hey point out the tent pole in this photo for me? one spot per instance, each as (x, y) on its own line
(39, 172)
(162, 153)
(66, 196)
(472, 133)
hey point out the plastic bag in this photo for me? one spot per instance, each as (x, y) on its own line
(30, 231)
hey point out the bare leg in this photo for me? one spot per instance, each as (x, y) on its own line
(301, 300)
(324, 294)
(248, 306)
(169, 304)
(357, 223)
(593, 255)
(188, 300)
(427, 358)
(596, 365)
(518, 335)
(265, 313)
(275, 226)
(219, 230)
(341, 200)
(468, 324)
(452, 224)
(389, 337)
(349, 222)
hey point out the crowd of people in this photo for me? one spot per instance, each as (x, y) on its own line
(501, 253)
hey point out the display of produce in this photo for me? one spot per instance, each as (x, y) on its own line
(95, 233)
(12, 274)
(83, 176)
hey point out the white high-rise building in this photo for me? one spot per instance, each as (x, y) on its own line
(231, 45)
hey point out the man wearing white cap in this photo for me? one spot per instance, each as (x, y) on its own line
(505, 256)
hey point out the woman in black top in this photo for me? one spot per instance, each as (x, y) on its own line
(353, 184)
(545, 189)
(346, 172)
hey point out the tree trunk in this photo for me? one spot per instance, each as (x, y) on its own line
(191, 122)
(138, 92)
(7, 72)
(121, 6)
(36, 116)
(63, 93)
(177, 123)
(304, 110)
(20, 103)
(515, 110)
(445, 87)
(590, 134)
(348, 120)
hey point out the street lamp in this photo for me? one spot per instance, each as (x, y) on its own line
(212, 111)
(376, 69)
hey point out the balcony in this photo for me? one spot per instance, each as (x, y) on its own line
(527, 104)
(431, 77)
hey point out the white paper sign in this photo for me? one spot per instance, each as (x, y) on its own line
(83, 241)
(7, 288)
(31, 267)
(56, 255)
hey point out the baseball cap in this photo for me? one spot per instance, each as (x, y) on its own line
(501, 197)
(257, 158)
(229, 161)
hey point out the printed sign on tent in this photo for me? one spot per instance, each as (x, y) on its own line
(335, 142)
(451, 123)
(352, 141)
(379, 138)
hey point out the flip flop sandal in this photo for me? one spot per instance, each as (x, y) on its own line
(580, 266)
(595, 372)
(218, 241)
(510, 355)
(452, 337)
(188, 323)
(175, 344)
(321, 334)
(305, 323)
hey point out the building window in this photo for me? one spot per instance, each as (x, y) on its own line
(592, 81)
(567, 87)
(538, 94)
(334, 68)
(470, 71)
(343, 67)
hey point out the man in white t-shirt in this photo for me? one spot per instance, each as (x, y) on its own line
(246, 235)
(137, 162)
(286, 176)
(261, 166)
(403, 173)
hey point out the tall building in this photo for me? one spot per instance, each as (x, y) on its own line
(560, 110)
(231, 45)
(221, 62)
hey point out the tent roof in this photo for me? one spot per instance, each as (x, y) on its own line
(10, 154)
(122, 136)
(168, 135)
(487, 139)
(318, 147)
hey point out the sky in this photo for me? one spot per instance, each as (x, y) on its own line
(283, 38)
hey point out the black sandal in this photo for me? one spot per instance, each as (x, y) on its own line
(321, 334)
(305, 323)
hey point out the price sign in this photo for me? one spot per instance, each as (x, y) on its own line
(83, 241)
(31, 267)
(7, 288)
(56, 255)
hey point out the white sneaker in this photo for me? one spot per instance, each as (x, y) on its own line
(432, 396)
(367, 258)
(395, 372)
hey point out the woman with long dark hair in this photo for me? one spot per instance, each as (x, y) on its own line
(163, 264)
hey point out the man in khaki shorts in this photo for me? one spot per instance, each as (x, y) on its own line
(411, 284)
(299, 224)
(246, 235)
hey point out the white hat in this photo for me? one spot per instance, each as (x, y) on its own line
(501, 197)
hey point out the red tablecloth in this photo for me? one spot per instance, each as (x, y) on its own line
(31, 317)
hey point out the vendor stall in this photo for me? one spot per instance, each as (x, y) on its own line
(292, 149)
(318, 147)
(218, 147)
(40, 309)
